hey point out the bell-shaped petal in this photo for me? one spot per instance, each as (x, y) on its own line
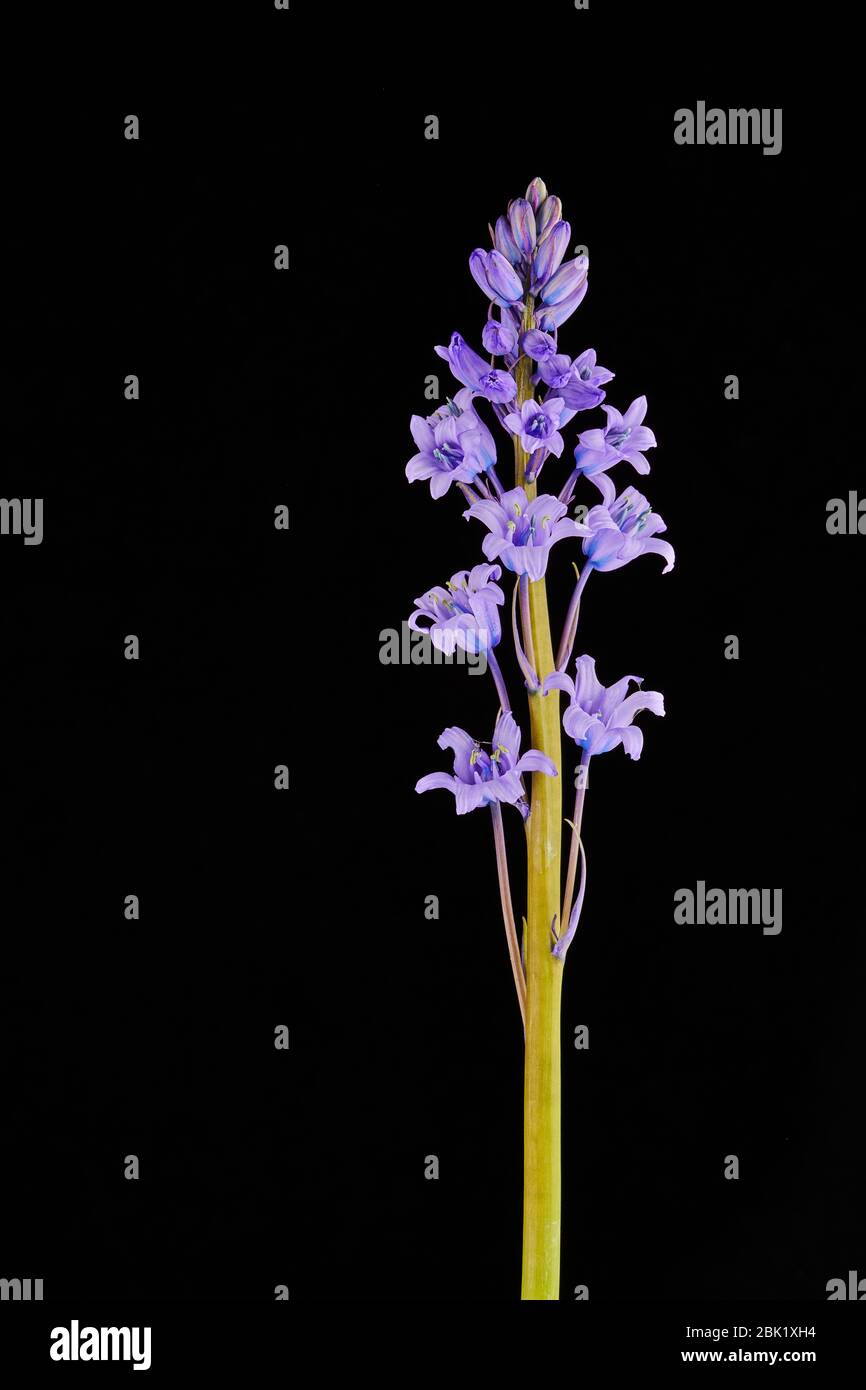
(537, 345)
(499, 339)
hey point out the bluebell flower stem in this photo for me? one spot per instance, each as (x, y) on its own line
(508, 910)
(569, 627)
(498, 680)
(542, 1160)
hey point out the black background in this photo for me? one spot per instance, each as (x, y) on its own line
(261, 647)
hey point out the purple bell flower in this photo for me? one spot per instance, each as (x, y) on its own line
(499, 339)
(537, 425)
(600, 719)
(623, 438)
(577, 383)
(454, 446)
(537, 345)
(464, 613)
(475, 373)
(522, 532)
(583, 389)
(555, 371)
(481, 778)
(623, 531)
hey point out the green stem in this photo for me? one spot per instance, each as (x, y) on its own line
(542, 1133)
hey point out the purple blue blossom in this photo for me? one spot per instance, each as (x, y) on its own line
(583, 389)
(454, 445)
(599, 718)
(623, 439)
(537, 425)
(464, 613)
(577, 383)
(623, 531)
(481, 778)
(554, 370)
(499, 339)
(522, 532)
(477, 374)
(537, 345)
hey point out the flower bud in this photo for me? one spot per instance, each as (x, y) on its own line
(549, 254)
(504, 241)
(522, 220)
(553, 315)
(549, 214)
(536, 193)
(504, 283)
(567, 279)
